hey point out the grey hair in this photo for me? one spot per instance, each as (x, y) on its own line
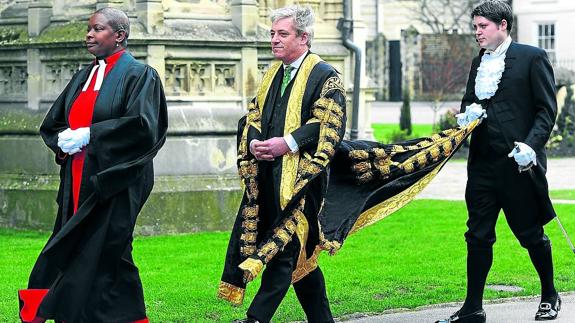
(118, 20)
(496, 11)
(303, 19)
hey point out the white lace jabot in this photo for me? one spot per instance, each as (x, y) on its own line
(490, 71)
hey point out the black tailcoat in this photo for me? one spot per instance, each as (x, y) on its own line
(523, 109)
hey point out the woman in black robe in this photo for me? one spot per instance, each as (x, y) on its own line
(104, 129)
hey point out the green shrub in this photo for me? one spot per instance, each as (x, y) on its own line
(405, 113)
(562, 140)
(448, 120)
(398, 136)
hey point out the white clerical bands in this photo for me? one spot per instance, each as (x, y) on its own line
(101, 67)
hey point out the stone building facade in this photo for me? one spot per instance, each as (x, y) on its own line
(210, 54)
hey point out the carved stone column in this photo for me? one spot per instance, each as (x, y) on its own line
(34, 78)
(245, 16)
(39, 14)
(249, 73)
(156, 59)
(151, 14)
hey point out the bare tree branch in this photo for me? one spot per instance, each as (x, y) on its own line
(442, 15)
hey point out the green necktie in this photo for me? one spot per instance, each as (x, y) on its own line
(287, 77)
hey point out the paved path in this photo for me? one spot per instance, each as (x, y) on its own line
(449, 184)
(513, 310)
(421, 112)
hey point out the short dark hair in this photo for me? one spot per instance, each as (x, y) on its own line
(118, 20)
(496, 11)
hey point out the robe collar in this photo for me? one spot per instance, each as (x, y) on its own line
(99, 66)
(112, 59)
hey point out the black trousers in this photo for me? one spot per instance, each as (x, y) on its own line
(276, 280)
(494, 184)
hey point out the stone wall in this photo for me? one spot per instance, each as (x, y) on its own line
(377, 61)
(211, 55)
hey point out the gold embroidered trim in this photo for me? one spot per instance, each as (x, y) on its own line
(250, 225)
(389, 206)
(361, 167)
(307, 167)
(252, 268)
(447, 140)
(330, 116)
(304, 265)
(332, 84)
(266, 83)
(231, 293)
(248, 169)
(249, 237)
(250, 212)
(359, 154)
(248, 250)
(330, 246)
(376, 163)
(292, 122)
(283, 236)
(254, 116)
(290, 226)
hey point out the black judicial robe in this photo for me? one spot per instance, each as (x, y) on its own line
(87, 264)
(360, 182)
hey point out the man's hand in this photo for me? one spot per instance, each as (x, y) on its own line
(524, 155)
(472, 113)
(72, 141)
(269, 149)
(260, 151)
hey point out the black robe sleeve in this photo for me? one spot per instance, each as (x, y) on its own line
(124, 145)
(307, 135)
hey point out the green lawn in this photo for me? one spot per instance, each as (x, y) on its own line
(415, 257)
(562, 194)
(385, 132)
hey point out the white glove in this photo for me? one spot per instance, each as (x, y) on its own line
(524, 155)
(72, 141)
(472, 113)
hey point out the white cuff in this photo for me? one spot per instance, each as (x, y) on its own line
(251, 144)
(292, 144)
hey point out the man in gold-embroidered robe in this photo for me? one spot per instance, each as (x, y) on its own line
(285, 145)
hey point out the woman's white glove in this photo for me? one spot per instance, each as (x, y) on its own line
(524, 155)
(472, 113)
(72, 141)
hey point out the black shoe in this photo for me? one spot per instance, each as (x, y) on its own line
(475, 317)
(247, 320)
(547, 312)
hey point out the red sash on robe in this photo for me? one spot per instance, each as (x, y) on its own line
(81, 116)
